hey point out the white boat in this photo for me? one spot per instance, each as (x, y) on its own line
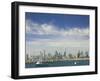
(38, 62)
(75, 63)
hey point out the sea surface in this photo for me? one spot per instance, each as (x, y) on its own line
(59, 63)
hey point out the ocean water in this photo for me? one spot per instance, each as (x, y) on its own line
(59, 63)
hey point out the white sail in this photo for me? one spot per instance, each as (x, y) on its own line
(38, 62)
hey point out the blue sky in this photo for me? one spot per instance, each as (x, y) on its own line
(60, 20)
(56, 31)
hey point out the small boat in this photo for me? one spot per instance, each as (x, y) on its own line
(38, 62)
(75, 63)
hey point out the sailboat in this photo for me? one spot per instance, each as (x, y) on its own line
(40, 59)
(38, 62)
(75, 62)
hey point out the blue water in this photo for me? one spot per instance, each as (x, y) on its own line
(59, 63)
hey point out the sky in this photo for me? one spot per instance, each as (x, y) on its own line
(50, 32)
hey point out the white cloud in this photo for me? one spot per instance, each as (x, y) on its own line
(77, 31)
(50, 29)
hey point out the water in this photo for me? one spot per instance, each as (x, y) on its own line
(59, 63)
